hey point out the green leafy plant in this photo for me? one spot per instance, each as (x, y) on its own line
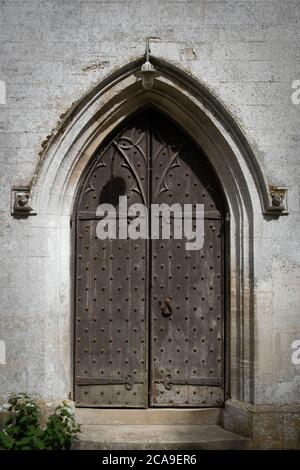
(61, 429)
(23, 431)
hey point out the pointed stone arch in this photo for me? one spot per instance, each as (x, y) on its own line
(205, 119)
(120, 94)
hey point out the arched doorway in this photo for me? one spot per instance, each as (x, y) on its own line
(149, 314)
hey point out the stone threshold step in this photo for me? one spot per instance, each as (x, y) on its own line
(158, 437)
(149, 416)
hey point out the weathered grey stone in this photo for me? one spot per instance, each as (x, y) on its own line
(150, 416)
(159, 437)
(247, 55)
(268, 426)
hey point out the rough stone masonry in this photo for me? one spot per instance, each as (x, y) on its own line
(247, 54)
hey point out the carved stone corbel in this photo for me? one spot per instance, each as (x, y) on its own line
(20, 202)
(278, 200)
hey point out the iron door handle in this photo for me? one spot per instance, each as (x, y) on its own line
(166, 308)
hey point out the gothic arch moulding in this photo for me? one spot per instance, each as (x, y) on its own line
(176, 93)
(211, 127)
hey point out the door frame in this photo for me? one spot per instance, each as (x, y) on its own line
(225, 265)
(207, 121)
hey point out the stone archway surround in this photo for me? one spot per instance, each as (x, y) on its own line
(211, 127)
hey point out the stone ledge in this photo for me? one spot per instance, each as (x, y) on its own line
(269, 426)
(148, 416)
(159, 437)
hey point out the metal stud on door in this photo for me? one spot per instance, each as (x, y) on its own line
(111, 281)
(186, 286)
(153, 303)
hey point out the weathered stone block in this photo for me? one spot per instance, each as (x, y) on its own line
(269, 426)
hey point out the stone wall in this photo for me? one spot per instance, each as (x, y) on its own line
(51, 54)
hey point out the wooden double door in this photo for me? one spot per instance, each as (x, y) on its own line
(149, 314)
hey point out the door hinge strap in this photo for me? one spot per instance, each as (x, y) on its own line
(210, 381)
(127, 381)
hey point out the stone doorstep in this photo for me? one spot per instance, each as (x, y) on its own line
(155, 428)
(159, 437)
(149, 416)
